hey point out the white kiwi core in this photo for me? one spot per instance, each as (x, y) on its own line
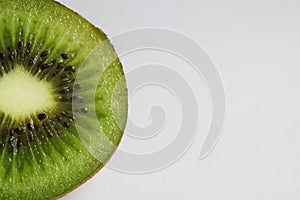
(22, 94)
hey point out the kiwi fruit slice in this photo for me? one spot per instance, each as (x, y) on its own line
(63, 99)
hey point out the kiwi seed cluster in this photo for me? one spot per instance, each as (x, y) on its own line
(56, 71)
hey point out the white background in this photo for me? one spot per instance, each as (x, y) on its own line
(255, 45)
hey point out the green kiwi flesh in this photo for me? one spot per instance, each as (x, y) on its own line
(63, 99)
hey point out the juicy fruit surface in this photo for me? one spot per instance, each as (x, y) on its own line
(63, 103)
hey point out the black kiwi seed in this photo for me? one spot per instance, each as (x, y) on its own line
(28, 48)
(31, 61)
(60, 65)
(42, 116)
(50, 134)
(11, 57)
(69, 68)
(18, 130)
(30, 126)
(64, 91)
(44, 66)
(84, 110)
(12, 131)
(72, 118)
(44, 54)
(30, 137)
(64, 56)
(20, 45)
(29, 45)
(67, 125)
(2, 56)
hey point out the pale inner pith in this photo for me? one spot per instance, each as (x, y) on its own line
(22, 94)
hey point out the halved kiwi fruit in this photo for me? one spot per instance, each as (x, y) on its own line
(63, 99)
